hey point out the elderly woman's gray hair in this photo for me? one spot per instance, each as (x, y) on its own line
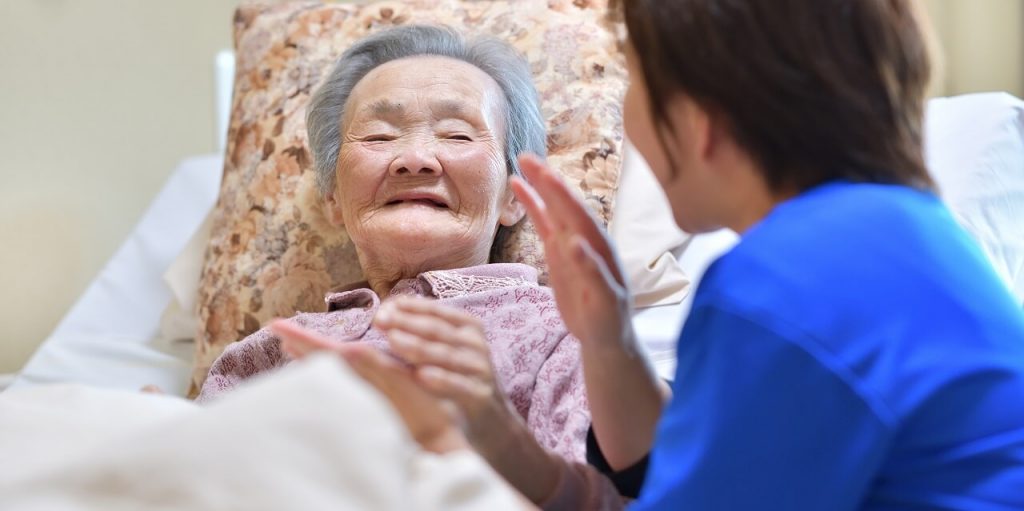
(524, 125)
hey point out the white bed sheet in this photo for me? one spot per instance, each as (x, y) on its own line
(109, 338)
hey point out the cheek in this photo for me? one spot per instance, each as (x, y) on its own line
(478, 173)
(358, 175)
(643, 134)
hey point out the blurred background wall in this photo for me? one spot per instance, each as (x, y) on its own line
(982, 43)
(99, 100)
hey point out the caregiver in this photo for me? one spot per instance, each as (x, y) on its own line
(855, 350)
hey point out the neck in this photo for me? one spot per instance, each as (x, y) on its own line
(752, 208)
(382, 273)
(749, 198)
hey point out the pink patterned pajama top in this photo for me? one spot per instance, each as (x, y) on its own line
(536, 361)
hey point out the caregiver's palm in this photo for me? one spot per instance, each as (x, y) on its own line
(585, 274)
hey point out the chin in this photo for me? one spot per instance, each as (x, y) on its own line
(694, 224)
(426, 239)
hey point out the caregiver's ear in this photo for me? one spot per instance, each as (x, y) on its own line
(512, 210)
(332, 209)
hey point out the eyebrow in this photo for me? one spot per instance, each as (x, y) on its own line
(387, 108)
(441, 109)
(448, 108)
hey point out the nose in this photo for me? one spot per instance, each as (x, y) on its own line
(415, 159)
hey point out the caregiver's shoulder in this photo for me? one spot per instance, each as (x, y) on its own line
(841, 242)
(827, 270)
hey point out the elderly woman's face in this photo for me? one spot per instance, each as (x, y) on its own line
(421, 176)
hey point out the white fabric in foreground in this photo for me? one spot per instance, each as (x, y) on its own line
(312, 436)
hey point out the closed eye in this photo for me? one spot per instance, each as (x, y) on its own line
(378, 138)
(464, 138)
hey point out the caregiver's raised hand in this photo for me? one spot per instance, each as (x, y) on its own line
(585, 273)
(595, 305)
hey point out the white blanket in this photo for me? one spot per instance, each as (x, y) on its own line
(313, 436)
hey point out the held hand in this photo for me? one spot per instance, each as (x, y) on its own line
(450, 357)
(430, 421)
(449, 351)
(586, 276)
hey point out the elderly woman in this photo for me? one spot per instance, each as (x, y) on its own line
(855, 350)
(415, 135)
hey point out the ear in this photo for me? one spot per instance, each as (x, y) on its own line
(702, 127)
(512, 210)
(332, 209)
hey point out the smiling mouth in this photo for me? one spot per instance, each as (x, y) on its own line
(422, 202)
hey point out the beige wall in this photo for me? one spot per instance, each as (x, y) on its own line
(983, 45)
(99, 99)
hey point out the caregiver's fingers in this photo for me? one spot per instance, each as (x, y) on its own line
(564, 207)
(420, 352)
(433, 324)
(596, 268)
(450, 314)
(468, 393)
(378, 368)
(559, 202)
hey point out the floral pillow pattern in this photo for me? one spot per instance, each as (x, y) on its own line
(272, 252)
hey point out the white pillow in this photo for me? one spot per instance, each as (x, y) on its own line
(974, 146)
(646, 236)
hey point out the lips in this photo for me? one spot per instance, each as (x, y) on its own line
(423, 198)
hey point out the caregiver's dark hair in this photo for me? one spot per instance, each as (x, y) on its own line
(815, 90)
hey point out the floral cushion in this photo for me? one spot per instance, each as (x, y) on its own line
(272, 251)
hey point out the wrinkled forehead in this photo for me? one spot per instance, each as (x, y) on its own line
(441, 86)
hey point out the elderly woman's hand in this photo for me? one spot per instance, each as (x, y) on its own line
(595, 304)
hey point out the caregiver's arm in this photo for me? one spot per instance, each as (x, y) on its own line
(625, 396)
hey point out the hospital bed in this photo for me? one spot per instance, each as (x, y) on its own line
(111, 337)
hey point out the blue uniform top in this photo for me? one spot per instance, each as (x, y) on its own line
(854, 351)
